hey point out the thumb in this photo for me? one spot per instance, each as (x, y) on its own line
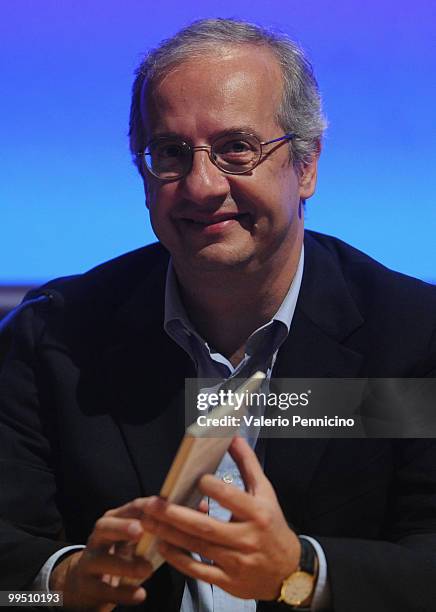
(248, 464)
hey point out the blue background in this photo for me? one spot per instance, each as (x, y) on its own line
(69, 194)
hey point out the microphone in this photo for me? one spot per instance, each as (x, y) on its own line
(54, 298)
(49, 296)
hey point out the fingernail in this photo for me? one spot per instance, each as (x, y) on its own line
(140, 595)
(134, 529)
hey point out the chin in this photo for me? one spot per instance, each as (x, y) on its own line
(218, 258)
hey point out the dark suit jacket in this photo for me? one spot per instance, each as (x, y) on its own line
(91, 413)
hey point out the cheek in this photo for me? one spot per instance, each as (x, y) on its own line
(154, 196)
(151, 191)
(275, 191)
(159, 204)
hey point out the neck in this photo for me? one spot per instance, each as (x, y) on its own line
(227, 306)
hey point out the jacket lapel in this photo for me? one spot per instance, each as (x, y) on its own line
(144, 372)
(325, 316)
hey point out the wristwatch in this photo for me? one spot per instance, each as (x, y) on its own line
(298, 588)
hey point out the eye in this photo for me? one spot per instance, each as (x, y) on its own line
(167, 150)
(234, 147)
(234, 150)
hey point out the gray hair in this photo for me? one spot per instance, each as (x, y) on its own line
(300, 111)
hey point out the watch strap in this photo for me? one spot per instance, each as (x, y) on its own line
(309, 565)
(308, 559)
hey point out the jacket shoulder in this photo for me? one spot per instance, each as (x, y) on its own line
(110, 282)
(370, 281)
(398, 312)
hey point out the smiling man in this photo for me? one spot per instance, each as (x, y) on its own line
(232, 216)
(226, 127)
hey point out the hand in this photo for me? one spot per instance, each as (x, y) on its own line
(252, 554)
(89, 579)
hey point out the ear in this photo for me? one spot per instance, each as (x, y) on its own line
(146, 190)
(307, 173)
(140, 166)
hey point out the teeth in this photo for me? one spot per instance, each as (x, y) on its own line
(213, 222)
(206, 223)
(219, 221)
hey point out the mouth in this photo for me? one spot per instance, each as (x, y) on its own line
(215, 223)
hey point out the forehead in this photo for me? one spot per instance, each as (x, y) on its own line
(241, 87)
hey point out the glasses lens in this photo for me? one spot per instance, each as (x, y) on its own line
(236, 152)
(168, 158)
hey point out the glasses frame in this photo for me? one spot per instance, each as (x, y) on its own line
(208, 148)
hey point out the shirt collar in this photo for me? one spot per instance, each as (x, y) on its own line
(177, 317)
(174, 308)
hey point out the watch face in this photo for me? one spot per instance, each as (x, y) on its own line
(297, 588)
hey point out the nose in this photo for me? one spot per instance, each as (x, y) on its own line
(205, 183)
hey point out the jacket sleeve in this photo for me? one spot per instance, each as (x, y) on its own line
(398, 572)
(30, 523)
(394, 571)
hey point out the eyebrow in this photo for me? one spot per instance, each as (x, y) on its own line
(248, 129)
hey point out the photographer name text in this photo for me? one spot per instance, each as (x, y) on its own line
(295, 421)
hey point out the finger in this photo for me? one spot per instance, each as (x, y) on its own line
(203, 506)
(195, 569)
(192, 522)
(242, 505)
(110, 529)
(132, 509)
(248, 464)
(99, 564)
(191, 543)
(100, 592)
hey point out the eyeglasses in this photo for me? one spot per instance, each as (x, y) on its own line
(169, 158)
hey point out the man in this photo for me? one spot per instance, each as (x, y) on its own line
(226, 131)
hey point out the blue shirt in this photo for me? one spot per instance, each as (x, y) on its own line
(260, 354)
